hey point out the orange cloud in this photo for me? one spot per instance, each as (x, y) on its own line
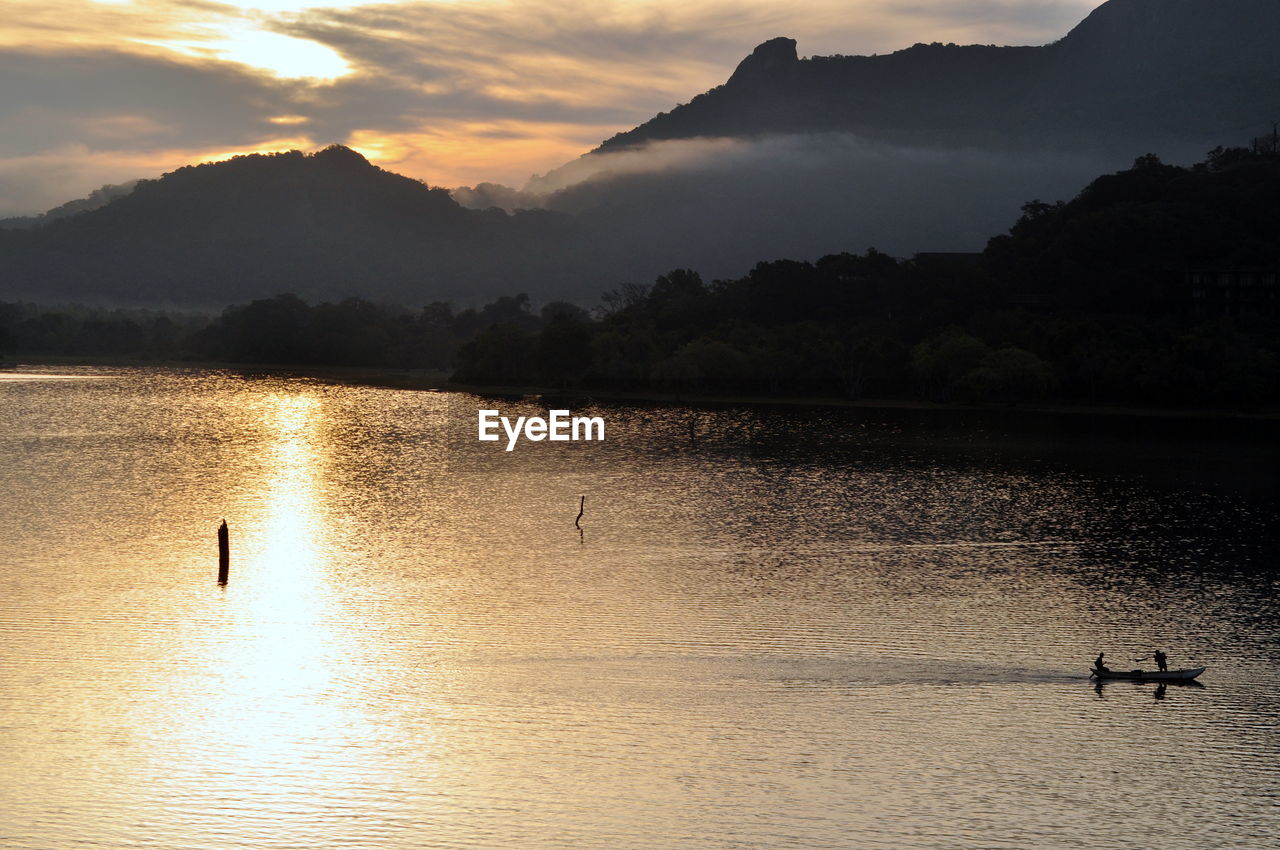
(467, 153)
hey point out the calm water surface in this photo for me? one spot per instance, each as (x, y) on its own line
(798, 628)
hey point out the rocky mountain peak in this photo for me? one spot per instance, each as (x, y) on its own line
(774, 55)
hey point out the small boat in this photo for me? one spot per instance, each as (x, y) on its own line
(1151, 675)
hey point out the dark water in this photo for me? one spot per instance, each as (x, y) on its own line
(796, 628)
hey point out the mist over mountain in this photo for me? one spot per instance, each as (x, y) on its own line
(932, 148)
(1179, 74)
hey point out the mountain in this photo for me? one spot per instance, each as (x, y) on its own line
(1176, 74)
(932, 148)
(323, 225)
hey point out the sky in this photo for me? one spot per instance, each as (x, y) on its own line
(453, 92)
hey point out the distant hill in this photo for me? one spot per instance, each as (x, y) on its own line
(324, 225)
(1129, 240)
(1180, 75)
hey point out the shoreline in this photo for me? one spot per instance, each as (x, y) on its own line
(437, 380)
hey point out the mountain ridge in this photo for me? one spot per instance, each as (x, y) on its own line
(1081, 89)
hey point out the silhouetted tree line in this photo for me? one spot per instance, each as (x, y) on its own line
(1084, 301)
(356, 332)
(888, 329)
(85, 331)
(283, 329)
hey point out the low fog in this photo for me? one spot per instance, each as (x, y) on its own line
(721, 205)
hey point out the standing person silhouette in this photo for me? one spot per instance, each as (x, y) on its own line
(1162, 660)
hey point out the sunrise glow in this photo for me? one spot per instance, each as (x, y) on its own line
(279, 55)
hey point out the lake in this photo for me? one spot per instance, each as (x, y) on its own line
(778, 627)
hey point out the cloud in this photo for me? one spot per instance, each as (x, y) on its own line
(454, 153)
(719, 205)
(485, 195)
(1005, 22)
(657, 158)
(79, 96)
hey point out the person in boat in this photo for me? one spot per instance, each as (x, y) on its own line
(1098, 666)
(1162, 660)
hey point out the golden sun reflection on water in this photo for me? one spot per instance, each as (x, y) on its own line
(277, 597)
(273, 697)
(288, 568)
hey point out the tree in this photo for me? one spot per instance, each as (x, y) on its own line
(501, 355)
(564, 350)
(269, 330)
(626, 297)
(940, 363)
(558, 309)
(1010, 375)
(705, 364)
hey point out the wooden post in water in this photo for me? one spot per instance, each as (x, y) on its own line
(224, 552)
(582, 506)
